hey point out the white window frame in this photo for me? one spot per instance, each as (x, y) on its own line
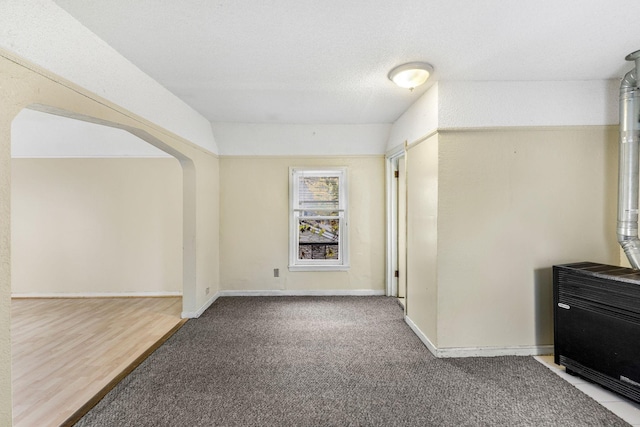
(297, 264)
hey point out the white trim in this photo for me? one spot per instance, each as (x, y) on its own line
(396, 151)
(342, 263)
(196, 314)
(421, 139)
(525, 350)
(278, 293)
(392, 220)
(425, 340)
(319, 267)
(95, 294)
(301, 156)
(301, 293)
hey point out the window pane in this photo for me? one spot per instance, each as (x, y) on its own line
(319, 213)
(318, 251)
(318, 219)
(318, 192)
(318, 239)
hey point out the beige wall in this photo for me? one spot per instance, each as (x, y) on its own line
(254, 236)
(5, 263)
(96, 226)
(512, 203)
(207, 234)
(422, 236)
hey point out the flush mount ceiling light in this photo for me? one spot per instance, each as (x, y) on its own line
(411, 75)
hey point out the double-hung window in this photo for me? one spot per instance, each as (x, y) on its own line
(318, 219)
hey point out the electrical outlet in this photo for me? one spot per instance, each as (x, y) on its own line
(276, 272)
(207, 291)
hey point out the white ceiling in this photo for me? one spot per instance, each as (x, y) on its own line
(326, 61)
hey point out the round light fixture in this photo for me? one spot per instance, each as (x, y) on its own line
(411, 75)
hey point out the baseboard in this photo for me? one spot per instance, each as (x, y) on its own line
(96, 294)
(198, 313)
(277, 293)
(534, 350)
(523, 350)
(425, 340)
(302, 293)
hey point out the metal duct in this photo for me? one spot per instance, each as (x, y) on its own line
(628, 163)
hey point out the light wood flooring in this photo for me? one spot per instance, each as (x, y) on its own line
(66, 351)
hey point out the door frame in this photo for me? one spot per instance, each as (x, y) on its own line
(391, 202)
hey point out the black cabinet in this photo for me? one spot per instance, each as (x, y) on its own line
(597, 324)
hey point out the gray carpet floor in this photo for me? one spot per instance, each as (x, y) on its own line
(331, 361)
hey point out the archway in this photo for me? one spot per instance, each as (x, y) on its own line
(96, 211)
(188, 195)
(28, 86)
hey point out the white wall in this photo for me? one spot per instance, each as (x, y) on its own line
(300, 139)
(42, 135)
(43, 33)
(418, 121)
(531, 103)
(481, 104)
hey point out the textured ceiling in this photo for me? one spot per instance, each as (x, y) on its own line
(326, 61)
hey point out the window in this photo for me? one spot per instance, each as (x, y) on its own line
(318, 219)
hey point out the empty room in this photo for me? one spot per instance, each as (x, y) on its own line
(332, 213)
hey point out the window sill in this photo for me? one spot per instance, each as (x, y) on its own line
(319, 267)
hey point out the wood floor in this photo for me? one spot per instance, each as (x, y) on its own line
(65, 351)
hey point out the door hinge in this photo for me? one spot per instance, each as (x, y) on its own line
(396, 174)
(396, 274)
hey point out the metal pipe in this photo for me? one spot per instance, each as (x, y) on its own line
(629, 160)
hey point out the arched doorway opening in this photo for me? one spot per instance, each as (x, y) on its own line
(93, 215)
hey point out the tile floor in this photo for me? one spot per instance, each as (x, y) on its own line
(622, 407)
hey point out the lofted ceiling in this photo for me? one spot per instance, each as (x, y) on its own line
(326, 61)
